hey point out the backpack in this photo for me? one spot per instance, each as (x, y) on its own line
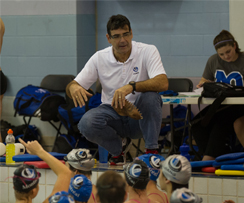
(70, 115)
(220, 91)
(35, 101)
(31, 132)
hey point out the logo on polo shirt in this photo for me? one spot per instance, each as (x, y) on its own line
(135, 70)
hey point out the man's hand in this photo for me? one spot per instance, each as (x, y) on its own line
(32, 147)
(78, 94)
(129, 110)
(119, 96)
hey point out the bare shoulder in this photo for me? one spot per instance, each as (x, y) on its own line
(158, 197)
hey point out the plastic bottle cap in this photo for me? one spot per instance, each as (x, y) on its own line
(10, 131)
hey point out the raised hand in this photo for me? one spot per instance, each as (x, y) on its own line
(32, 147)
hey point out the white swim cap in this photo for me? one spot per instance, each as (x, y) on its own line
(80, 159)
(184, 195)
(177, 169)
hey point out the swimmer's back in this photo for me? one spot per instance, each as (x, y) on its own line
(158, 196)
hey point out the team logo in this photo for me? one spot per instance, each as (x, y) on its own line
(77, 182)
(135, 69)
(135, 170)
(61, 196)
(175, 164)
(155, 162)
(82, 154)
(40, 91)
(28, 173)
(186, 196)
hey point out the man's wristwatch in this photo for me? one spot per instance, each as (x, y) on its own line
(133, 84)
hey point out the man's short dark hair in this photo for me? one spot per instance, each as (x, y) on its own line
(111, 187)
(117, 21)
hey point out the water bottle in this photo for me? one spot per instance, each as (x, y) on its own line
(10, 147)
(184, 151)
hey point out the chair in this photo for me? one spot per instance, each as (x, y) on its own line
(57, 84)
(177, 85)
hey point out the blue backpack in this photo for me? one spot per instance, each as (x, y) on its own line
(35, 101)
(70, 115)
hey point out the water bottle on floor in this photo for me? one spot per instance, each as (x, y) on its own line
(10, 147)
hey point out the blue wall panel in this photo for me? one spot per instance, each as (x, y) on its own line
(37, 45)
(182, 30)
(37, 42)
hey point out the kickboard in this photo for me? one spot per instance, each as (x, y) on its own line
(39, 164)
(209, 169)
(239, 167)
(229, 172)
(229, 162)
(231, 156)
(200, 164)
(30, 157)
(2, 159)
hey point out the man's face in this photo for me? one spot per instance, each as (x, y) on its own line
(121, 40)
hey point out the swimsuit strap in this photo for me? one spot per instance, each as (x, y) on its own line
(159, 195)
(138, 201)
(93, 197)
(134, 200)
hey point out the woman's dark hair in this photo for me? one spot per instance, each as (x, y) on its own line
(80, 171)
(117, 21)
(225, 38)
(111, 187)
(178, 186)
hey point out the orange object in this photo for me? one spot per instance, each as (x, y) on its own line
(10, 131)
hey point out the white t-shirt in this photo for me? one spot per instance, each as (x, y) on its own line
(144, 63)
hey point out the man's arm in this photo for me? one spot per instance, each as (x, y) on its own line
(157, 84)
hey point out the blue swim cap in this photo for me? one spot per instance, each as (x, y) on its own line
(80, 187)
(61, 197)
(153, 163)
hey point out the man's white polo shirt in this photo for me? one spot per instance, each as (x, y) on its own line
(144, 63)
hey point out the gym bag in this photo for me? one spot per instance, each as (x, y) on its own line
(35, 101)
(220, 91)
(70, 115)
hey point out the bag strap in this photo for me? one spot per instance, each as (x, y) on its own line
(17, 106)
(23, 106)
(212, 110)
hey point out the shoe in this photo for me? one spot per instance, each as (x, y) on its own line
(118, 160)
(151, 151)
(121, 159)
